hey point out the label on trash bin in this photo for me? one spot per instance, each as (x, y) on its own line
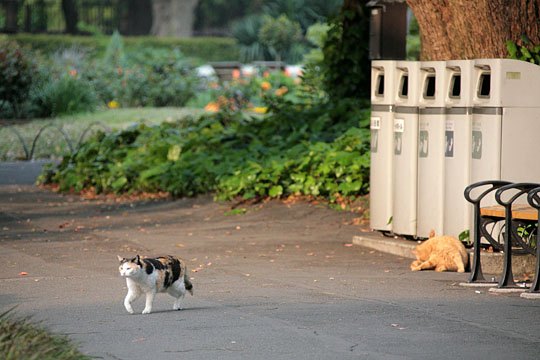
(513, 75)
(476, 144)
(399, 128)
(423, 144)
(399, 125)
(375, 123)
(449, 141)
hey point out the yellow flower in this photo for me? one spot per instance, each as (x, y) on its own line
(113, 104)
(259, 109)
(265, 85)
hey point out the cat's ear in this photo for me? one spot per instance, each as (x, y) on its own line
(120, 258)
(137, 260)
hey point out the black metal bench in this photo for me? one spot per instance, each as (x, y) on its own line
(504, 225)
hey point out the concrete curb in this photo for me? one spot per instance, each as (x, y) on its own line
(492, 263)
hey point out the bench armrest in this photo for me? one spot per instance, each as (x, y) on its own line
(492, 185)
(534, 198)
(517, 190)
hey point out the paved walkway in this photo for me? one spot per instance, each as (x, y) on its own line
(281, 281)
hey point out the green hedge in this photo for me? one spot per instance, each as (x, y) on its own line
(202, 48)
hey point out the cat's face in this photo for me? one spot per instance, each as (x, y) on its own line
(129, 267)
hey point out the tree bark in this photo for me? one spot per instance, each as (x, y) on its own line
(173, 17)
(465, 29)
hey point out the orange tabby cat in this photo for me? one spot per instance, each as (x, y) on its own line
(442, 253)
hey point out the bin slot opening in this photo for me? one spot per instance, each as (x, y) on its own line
(429, 87)
(455, 86)
(380, 85)
(484, 85)
(404, 86)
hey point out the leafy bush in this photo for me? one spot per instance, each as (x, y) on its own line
(298, 149)
(67, 94)
(16, 74)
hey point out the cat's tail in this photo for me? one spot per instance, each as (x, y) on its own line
(188, 284)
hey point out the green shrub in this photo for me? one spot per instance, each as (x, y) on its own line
(317, 150)
(68, 94)
(283, 37)
(16, 74)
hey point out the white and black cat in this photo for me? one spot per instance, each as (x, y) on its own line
(152, 275)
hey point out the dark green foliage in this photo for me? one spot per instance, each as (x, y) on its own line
(64, 95)
(305, 12)
(298, 149)
(282, 37)
(246, 32)
(525, 51)
(346, 64)
(16, 74)
(20, 339)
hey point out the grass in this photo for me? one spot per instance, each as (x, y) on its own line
(20, 339)
(52, 144)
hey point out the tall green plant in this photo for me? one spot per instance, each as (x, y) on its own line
(114, 54)
(346, 63)
(246, 31)
(280, 35)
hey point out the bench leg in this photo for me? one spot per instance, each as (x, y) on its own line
(476, 269)
(507, 279)
(535, 286)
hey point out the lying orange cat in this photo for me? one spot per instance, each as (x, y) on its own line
(442, 253)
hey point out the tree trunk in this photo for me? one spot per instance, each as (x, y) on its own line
(173, 17)
(135, 17)
(12, 9)
(71, 16)
(465, 29)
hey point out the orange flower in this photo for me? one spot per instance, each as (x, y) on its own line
(265, 85)
(281, 91)
(119, 70)
(212, 107)
(73, 72)
(236, 74)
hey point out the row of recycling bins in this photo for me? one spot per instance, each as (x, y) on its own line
(438, 126)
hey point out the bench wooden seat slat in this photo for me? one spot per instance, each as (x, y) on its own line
(519, 211)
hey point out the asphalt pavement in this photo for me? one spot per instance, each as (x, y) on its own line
(277, 281)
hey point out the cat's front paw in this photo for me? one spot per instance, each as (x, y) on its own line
(129, 309)
(147, 311)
